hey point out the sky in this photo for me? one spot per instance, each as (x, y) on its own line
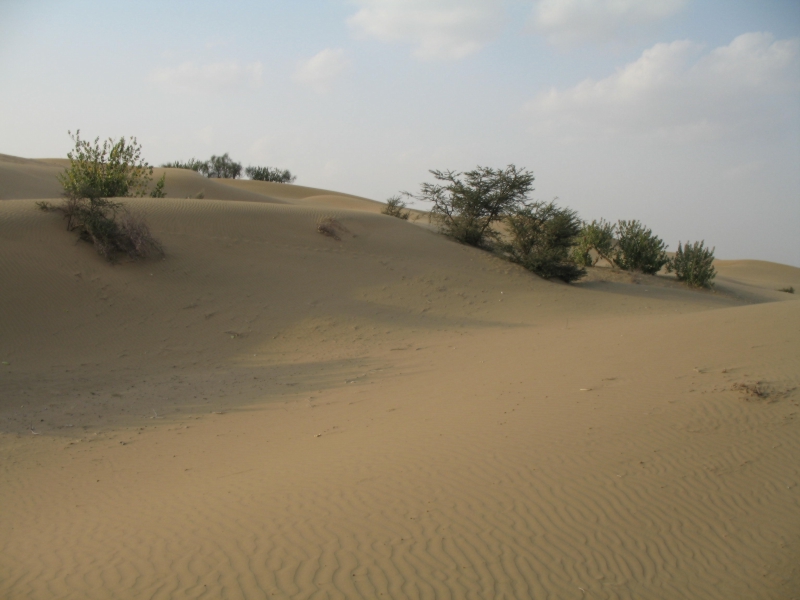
(684, 114)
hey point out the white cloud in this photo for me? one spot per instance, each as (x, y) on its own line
(676, 92)
(212, 76)
(437, 29)
(574, 21)
(321, 70)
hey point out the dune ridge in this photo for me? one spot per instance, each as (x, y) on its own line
(271, 413)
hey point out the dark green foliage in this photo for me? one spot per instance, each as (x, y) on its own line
(113, 170)
(223, 167)
(542, 236)
(395, 207)
(597, 236)
(693, 264)
(216, 166)
(638, 249)
(270, 174)
(466, 208)
(96, 174)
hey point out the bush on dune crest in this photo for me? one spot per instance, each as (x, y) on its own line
(224, 167)
(96, 174)
(468, 205)
(395, 207)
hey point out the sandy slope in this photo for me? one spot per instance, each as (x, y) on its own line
(269, 412)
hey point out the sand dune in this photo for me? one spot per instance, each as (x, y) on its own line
(272, 413)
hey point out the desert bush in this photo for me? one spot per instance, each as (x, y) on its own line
(638, 249)
(541, 239)
(158, 190)
(96, 174)
(223, 167)
(192, 164)
(215, 167)
(270, 174)
(788, 290)
(597, 236)
(113, 170)
(330, 227)
(693, 264)
(395, 207)
(466, 208)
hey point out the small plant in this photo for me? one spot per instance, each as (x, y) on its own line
(395, 207)
(330, 227)
(270, 174)
(788, 290)
(542, 235)
(638, 249)
(158, 190)
(467, 207)
(693, 264)
(597, 236)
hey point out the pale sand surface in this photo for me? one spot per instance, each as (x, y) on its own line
(271, 413)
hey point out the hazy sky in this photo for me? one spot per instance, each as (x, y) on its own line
(684, 114)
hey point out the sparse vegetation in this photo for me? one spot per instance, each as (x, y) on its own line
(693, 264)
(95, 175)
(638, 249)
(224, 167)
(395, 207)
(270, 174)
(467, 204)
(542, 236)
(788, 290)
(330, 227)
(597, 236)
(192, 164)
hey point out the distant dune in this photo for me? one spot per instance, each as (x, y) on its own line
(268, 412)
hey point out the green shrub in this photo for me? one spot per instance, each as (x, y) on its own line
(270, 174)
(223, 167)
(542, 236)
(693, 264)
(113, 170)
(192, 164)
(216, 166)
(638, 249)
(597, 236)
(395, 207)
(466, 209)
(96, 174)
(158, 190)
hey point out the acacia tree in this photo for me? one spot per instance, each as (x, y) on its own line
(466, 204)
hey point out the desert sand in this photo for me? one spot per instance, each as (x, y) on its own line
(268, 412)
